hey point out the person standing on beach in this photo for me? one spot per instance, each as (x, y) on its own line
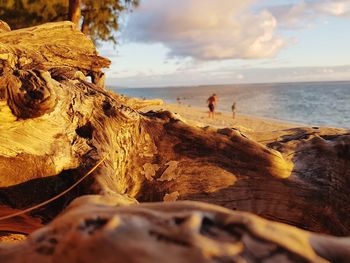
(233, 108)
(212, 101)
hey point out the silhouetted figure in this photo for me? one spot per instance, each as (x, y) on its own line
(212, 102)
(233, 108)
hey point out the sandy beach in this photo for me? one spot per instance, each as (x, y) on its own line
(199, 117)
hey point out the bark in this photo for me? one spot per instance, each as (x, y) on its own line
(55, 126)
(74, 12)
(85, 26)
(171, 232)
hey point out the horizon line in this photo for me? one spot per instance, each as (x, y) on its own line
(222, 84)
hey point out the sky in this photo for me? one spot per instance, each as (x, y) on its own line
(200, 42)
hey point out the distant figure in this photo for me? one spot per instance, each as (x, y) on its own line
(233, 108)
(178, 100)
(212, 101)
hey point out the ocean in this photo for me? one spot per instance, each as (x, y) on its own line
(309, 103)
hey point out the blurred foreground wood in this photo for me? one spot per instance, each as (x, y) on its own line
(55, 125)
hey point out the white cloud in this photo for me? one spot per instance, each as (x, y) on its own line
(300, 15)
(206, 29)
(339, 8)
(230, 75)
(240, 76)
(292, 15)
(327, 71)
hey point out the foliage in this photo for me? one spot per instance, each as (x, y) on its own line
(100, 19)
(25, 13)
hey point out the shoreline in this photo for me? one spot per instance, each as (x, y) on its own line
(199, 117)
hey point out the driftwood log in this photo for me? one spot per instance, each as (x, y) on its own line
(171, 232)
(55, 125)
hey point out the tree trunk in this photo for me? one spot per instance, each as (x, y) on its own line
(55, 126)
(74, 12)
(85, 26)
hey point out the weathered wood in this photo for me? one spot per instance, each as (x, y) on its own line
(4, 27)
(54, 126)
(50, 46)
(171, 232)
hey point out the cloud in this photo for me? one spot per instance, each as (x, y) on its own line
(300, 15)
(206, 29)
(338, 8)
(240, 76)
(293, 15)
(233, 75)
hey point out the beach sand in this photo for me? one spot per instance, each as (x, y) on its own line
(199, 116)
